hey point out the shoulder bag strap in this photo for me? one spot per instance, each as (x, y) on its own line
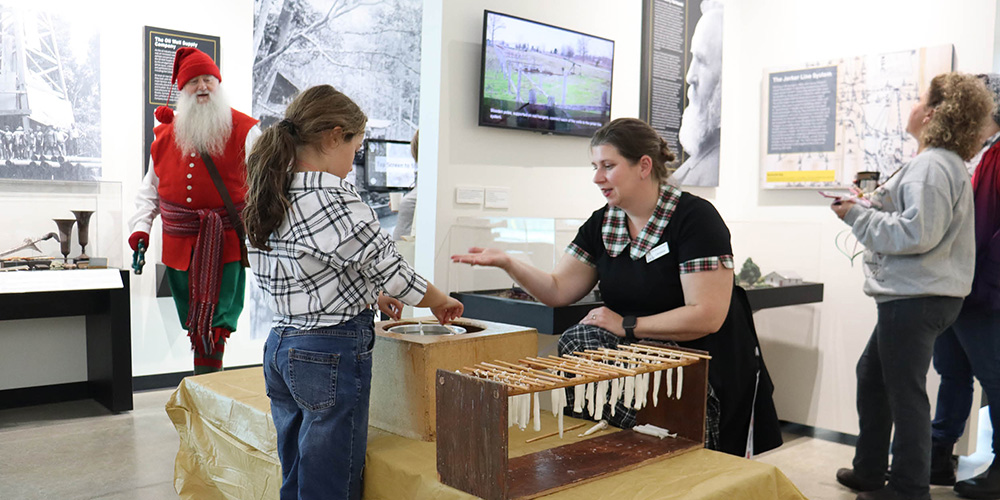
(234, 218)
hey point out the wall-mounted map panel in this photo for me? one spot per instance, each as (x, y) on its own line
(822, 123)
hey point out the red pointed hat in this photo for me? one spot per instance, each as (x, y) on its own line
(189, 63)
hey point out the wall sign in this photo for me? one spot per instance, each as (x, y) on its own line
(159, 46)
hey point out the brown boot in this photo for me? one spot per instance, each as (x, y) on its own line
(850, 478)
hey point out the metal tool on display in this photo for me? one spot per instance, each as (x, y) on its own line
(30, 243)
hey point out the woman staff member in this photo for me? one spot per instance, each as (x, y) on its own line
(919, 260)
(665, 268)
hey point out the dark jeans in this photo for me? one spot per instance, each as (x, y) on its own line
(319, 382)
(892, 378)
(970, 347)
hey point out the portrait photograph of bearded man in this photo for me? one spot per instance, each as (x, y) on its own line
(700, 129)
(197, 184)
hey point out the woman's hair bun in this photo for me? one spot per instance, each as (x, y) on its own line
(665, 152)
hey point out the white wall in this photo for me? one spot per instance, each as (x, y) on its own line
(159, 344)
(811, 350)
(548, 176)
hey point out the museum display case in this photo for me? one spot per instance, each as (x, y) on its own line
(92, 212)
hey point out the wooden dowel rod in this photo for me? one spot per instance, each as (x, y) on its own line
(562, 365)
(538, 373)
(578, 364)
(556, 433)
(666, 350)
(556, 366)
(634, 357)
(505, 381)
(527, 377)
(602, 367)
(607, 357)
(675, 356)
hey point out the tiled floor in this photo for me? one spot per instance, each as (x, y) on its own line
(77, 450)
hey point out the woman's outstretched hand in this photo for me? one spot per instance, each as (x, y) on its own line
(479, 256)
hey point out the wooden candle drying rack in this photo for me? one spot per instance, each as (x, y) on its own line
(472, 418)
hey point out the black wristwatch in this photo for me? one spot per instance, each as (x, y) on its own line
(628, 323)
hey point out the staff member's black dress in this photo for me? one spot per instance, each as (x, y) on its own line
(641, 277)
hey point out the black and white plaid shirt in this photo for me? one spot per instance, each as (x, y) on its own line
(329, 258)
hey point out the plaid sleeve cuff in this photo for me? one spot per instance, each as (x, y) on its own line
(580, 254)
(706, 264)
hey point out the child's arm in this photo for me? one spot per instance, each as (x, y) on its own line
(444, 308)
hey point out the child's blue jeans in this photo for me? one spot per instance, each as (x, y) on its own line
(319, 383)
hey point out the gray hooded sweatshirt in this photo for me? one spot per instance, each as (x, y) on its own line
(921, 241)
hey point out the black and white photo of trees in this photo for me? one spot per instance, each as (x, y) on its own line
(367, 49)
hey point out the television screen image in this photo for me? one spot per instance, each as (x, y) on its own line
(543, 78)
(389, 166)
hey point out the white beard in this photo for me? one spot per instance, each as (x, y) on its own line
(202, 127)
(699, 121)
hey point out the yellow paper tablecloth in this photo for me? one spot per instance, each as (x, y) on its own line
(228, 451)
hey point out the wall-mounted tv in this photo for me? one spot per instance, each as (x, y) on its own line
(543, 78)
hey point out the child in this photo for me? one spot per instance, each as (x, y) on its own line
(320, 258)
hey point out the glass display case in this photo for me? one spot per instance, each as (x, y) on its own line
(540, 242)
(489, 294)
(31, 208)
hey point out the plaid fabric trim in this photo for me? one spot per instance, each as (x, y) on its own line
(581, 255)
(706, 264)
(582, 337)
(614, 229)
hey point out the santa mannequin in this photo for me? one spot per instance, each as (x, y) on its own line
(201, 249)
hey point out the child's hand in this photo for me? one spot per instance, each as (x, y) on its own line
(448, 311)
(390, 306)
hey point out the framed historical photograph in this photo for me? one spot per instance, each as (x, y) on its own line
(681, 83)
(50, 94)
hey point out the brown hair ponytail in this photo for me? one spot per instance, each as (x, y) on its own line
(269, 165)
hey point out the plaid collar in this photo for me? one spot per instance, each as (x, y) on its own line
(306, 181)
(615, 227)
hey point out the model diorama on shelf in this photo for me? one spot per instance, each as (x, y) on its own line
(750, 277)
(64, 237)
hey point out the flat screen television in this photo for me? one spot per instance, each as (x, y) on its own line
(543, 78)
(385, 165)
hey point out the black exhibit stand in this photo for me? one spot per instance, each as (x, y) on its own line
(109, 344)
(486, 305)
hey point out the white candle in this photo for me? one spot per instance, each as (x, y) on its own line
(657, 375)
(680, 381)
(536, 414)
(578, 398)
(590, 399)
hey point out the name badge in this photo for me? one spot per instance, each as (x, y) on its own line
(657, 252)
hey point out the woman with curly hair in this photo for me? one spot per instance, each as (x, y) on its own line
(919, 261)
